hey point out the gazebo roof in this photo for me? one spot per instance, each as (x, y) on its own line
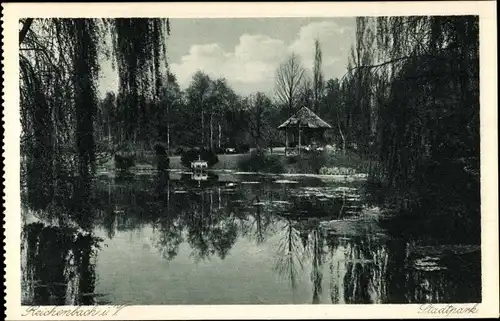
(305, 118)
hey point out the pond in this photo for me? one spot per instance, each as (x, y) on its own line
(234, 238)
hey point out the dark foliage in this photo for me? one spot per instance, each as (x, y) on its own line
(160, 150)
(242, 148)
(259, 161)
(124, 162)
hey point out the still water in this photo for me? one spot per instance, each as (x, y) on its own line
(229, 238)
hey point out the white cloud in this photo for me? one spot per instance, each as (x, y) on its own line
(251, 64)
(334, 41)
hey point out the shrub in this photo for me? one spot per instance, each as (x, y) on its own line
(160, 150)
(204, 154)
(179, 151)
(259, 161)
(308, 163)
(123, 162)
(292, 159)
(162, 162)
(242, 148)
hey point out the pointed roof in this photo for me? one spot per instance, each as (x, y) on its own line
(304, 118)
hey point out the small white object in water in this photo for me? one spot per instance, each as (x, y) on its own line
(285, 181)
(250, 182)
(428, 264)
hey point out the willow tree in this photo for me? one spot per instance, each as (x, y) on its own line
(59, 67)
(429, 131)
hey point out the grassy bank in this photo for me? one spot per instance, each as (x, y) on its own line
(326, 163)
(148, 158)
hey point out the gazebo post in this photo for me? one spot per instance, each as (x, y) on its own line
(298, 130)
(286, 140)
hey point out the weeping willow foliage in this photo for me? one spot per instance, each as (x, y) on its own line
(59, 70)
(140, 51)
(424, 96)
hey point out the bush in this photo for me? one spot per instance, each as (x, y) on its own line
(204, 154)
(160, 150)
(123, 162)
(292, 159)
(162, 162)
(310, 163)
(259, 161)
(243, 148)
(179, 151)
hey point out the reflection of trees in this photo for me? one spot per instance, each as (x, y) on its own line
(70, 203)
(358, 273)
(256, 218)
(169, 237)
(290, 254)
(209, 231)
(453, 278)
(316, 251)
(364, 272)
(58, 265)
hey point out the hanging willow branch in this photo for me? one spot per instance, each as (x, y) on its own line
(26, 27)
(59, 66)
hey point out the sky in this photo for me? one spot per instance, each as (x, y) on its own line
(247, 52)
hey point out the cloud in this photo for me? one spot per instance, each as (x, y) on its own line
(332, 38)
(249, 63)
(250, 66)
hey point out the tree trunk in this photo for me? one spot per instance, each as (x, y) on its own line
(168, 138)
(202, 128)
(286, 141)
(341, 134)
(298, 131)
(211, 130)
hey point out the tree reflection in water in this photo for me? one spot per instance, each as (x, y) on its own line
(58, 259)
(58, 266)
(326, 240)
(290, 254)
(316, 249)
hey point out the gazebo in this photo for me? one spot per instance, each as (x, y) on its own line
(306, 127)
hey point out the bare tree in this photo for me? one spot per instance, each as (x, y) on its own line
(289, 80)
(318, 80)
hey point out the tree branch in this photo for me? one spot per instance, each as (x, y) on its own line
(25, 29)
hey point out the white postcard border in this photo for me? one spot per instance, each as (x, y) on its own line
(489, 174)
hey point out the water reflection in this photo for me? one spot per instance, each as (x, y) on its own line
(265, 239)
(58, 265)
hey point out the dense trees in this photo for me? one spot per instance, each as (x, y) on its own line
(409, 101)
(208, 114)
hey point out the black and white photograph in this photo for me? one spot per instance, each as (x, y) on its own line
(250, 161)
